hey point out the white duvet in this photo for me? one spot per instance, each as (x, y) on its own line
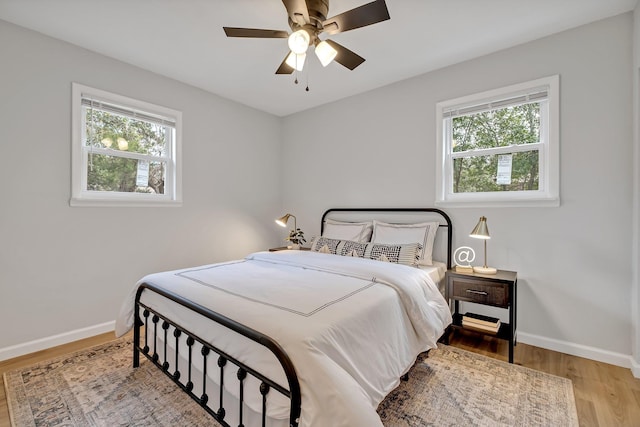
(351, 326)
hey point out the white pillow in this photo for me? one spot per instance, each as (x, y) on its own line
(423, 233)
(354, 231)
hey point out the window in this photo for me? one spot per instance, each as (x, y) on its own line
(125, 152)
(500, 148)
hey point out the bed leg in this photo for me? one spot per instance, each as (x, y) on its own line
(405, 377)
(444, 339)
(136, 357)
(136, 337)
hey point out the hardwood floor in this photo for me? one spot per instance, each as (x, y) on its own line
(606, 395)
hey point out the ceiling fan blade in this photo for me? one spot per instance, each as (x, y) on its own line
(284, 67)
(370, 13)
(298, 11)
(255, 32)
(346, 57)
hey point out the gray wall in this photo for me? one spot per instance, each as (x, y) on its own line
(573, 262)
(63, 268)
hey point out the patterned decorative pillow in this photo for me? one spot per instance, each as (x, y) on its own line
(383, 258)
(338, 247)
(348, 247)
(324, 250)
(407, 254)
(319, 243)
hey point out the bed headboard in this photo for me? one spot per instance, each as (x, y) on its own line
(442, 246)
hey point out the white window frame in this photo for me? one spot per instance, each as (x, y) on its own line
(80, 196)
(548, 193)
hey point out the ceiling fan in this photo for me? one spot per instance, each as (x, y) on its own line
(308, 19)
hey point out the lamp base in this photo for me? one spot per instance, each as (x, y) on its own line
(485, 270)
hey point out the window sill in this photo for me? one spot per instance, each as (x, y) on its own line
(525, 203)
(119, 203)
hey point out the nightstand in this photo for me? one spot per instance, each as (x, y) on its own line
(497, 290)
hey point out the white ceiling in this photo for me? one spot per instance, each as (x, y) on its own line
(184, 40)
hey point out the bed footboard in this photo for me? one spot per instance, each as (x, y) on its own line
(156, 326)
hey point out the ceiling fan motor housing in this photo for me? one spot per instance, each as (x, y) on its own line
(318, 10)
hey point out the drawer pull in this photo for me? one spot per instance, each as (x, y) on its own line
(472, 291)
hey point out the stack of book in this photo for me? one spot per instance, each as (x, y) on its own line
(481, 322)
(464, 269)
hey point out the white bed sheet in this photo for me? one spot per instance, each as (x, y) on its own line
(351, 326)
(436, 272)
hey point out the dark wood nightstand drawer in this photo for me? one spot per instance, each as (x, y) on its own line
(496, 294)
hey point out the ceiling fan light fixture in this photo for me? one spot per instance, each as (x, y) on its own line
(325, 53)
(299, 42)
(308, 21)
(296, 61)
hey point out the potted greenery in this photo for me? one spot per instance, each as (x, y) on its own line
(296, 237)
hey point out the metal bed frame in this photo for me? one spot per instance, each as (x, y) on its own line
(156, 326)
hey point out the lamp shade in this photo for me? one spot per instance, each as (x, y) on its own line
(282, 221)
(296, 61)
(481, 231)
(325, 53)
(299, 42)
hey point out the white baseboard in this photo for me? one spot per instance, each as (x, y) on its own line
(593, 353)
(55, 340)
(635, 368)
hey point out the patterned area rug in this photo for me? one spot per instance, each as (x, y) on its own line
(451, 387)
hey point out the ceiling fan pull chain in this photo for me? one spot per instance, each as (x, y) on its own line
(307, 88)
